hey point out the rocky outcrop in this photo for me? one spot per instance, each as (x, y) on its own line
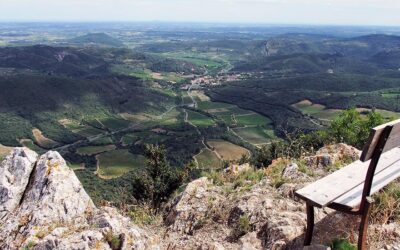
(333, 154)
(44, 206)
(242, 214)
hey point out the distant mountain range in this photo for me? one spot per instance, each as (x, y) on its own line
(97, 39)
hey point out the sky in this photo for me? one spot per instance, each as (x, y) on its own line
(318, 12)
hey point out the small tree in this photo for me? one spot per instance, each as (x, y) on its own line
(351, 128)
(160, 179)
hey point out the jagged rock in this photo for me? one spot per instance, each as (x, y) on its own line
(45, 207)
(192, 206)
(287, 190)
(14, 177)
(292, 172)
(332, 154)
(250, 241)
(237, 169)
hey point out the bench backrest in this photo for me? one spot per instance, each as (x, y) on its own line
(382, 138)
(392, 140)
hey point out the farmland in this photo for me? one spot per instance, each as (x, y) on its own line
(116, 163)
(207, 95)
(93, 150)
(227, 150)
(207, 159)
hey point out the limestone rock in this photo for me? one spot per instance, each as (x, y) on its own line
(192, 205)
(333, 154)
(237, 169)
(250, 242)
(14, 177)
(44, 206)
(292, 172)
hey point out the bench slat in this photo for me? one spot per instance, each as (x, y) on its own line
(381, 179)
(324, 191)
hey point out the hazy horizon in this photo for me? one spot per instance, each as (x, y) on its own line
(254, 12)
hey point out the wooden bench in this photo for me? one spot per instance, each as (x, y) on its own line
(349, 189)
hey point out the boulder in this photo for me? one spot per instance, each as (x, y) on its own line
(44, 206)
(15, 173)
(333, 154)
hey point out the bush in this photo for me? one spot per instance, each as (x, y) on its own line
(342, 244)
(160, 180)
(144, 215)
(353, 129)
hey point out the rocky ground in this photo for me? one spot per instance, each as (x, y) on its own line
(44, 206)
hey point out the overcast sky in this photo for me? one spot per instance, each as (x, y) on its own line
(358, 12)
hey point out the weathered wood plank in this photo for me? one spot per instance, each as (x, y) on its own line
(381, 179)
(376, 132)
(324, 191)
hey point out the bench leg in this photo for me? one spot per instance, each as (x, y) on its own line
(310, 225)
(362, 236)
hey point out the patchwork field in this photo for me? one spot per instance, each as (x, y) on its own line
(136, 117)
(319, 111)
(42, 140)
(208, 160)
(233, 115)
(93, 150)
(75, 167)
(114, 123)
(387, 115)
(116, 163)
(256, 135)
(227, 150)
(83, 130)
(198, 119)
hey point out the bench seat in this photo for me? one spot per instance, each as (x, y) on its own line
(345, 186)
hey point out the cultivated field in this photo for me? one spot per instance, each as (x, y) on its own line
(208, 160)
(233, 115)
(227, 150)
(93, 150)
(83, 130)
(198, 119)
(317, 110)
(256, 135)
(116, 163)
(321, 112)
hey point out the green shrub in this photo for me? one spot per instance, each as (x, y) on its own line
(160, 180)
(144, 215)
(29, 246)
(351, 128)
(342, 244)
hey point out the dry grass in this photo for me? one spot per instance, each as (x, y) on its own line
(4, 151)
(386, 208)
